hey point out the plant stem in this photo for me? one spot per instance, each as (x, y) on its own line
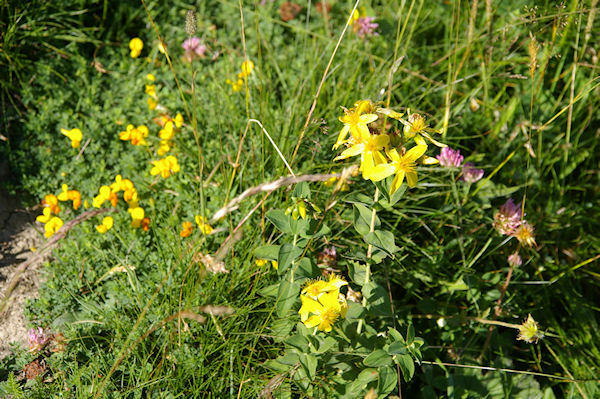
(369, 253)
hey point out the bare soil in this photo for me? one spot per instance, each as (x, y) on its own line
(18, 236)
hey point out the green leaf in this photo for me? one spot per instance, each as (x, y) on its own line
(358, 384)
(406, 365)
(382, 239)
(397, 348)
(300, 226)
(357, 272)
(287, 297)
(302, 190)
(307, 268)
(287, 254)
(384, 187)
(299, 342)
(280, 220)
(289, 359)
(388, 379)
(410, 334)
(362, 219)
(309, 364)
(377, 358)
(378, 299)
(395, 335)
(269, 252)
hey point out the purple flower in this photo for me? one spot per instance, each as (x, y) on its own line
(36, 339)
(471, 174)
(364, 26)
(193, 47)
(450, 158)
(508, 218)
(515, 260)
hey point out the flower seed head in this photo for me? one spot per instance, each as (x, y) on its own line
(190, 22)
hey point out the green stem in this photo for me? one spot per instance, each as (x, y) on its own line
(369, 254)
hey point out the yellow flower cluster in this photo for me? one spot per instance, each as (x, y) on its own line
(246, 70)
(136, 135)
(165, 166)
(379, 158)
(151, 91)
(202, 223)
(70, 195)
(322, 303)
(136, 45)
(529, 331)
(167, 133)
(107, 224)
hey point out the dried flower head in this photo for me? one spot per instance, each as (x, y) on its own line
(289, 11)
(508, 218)
(525, 233)
(529, 331)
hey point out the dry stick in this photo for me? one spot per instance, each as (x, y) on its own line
(59, 235)
(314, 104)
(497, 310)
(272, 186)
(468, 366)
(223, 247)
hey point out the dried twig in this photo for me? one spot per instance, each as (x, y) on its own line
(274, 185)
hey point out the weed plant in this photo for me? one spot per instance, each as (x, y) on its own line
(182, 298)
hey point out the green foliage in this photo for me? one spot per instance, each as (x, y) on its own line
(426, 260)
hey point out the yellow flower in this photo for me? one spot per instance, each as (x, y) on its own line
(187, 229)
(150, 77)
(151, 90)
(45, 216)
(74, 135)
(355, 16)
(152, 103)
(167, 132)
(178, 120)
(136, 45)
(417, 129)
(314, 289)
(261, 262)
(70, 195)
(162, 47)
(163, 147)
(52, 226)
(237, 85)
(51, 201)
(402, 166)
(136, 135)
(355, 122)
(86, 204)
(275, 264)
(369, 148)
(529, 331)
(137, 215)
(104, 194)
(165, 166)
(247, 67)
(107, 224)
(322, 313)
(202, 223)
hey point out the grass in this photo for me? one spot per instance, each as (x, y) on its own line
(514, 88)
